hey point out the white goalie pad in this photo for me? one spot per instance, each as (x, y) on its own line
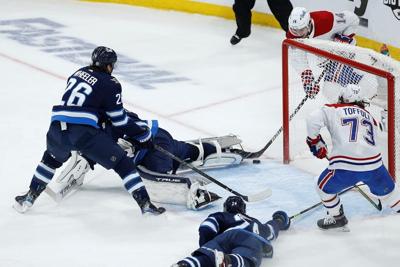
(176, 189)
(70, 179)
(222, 158)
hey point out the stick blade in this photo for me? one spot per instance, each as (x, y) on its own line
(264, 194)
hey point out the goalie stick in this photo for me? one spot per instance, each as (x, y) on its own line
(257, 154)
(250, 198)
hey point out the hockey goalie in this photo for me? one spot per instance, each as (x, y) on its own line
(165, 179)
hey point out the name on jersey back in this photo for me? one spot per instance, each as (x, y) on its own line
(86, 77)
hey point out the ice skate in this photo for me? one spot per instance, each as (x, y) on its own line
(338, 223)
(24, 203)
(235, 39)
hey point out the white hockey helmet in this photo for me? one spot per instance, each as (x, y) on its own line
(352, 93)
(300, 22)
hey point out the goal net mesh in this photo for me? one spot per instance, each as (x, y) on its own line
(305, 65)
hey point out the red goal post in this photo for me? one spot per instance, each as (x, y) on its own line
(324, 51)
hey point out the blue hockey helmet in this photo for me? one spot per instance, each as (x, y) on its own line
(235, 204)
(103, 56)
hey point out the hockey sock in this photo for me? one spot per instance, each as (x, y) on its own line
(44, 173)
(130, 177)
(237, 260)
(199, 261)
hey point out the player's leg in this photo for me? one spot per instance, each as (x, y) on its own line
(382, 185)
(242, 10)
(281, 9)
(57, 152)
(328, 185)
(101, 148)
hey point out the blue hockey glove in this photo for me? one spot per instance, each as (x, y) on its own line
(317, 146)
(143, 141)
(342, 38)
(311, 88)
(282, 218)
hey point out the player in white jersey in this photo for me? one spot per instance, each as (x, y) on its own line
(355, 155)
(326, 25)
(322, 25)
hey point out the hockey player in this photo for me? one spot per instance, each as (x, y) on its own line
(355, 155)
(322, 25)
(92, 96)
(232, 239)
(164, 178)
(339, 27)
(242, 8)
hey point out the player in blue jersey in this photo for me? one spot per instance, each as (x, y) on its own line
(92, 97)
(232, 238)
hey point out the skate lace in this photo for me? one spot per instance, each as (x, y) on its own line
(329, 220)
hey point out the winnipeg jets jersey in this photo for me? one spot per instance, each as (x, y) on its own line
(219, 222)
(93, 97)
(353, 132)
(326, 24)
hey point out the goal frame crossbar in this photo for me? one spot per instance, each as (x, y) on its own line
(333, 57)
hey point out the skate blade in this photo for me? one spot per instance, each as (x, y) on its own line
(338, 229)
(22, 208)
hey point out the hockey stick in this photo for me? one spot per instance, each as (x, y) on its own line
(250, 198)
(257, 154)
(318, 204)
(373, 203)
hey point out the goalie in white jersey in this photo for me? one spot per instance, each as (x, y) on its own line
(355, 156)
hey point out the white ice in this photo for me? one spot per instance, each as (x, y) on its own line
(229, 90)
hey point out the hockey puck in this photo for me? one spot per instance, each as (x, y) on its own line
(256, 161)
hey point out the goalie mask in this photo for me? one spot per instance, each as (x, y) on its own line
(235, 204)
(300, 23)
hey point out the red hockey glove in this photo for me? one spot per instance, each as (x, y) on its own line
(311, 88)
(342, 38)
(317, 146)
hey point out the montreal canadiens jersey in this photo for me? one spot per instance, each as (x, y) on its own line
(354, 136)
(219, 222)
(93, 97)
(326, 24)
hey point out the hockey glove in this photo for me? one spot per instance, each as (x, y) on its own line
(317, 146)
(311, 88)
(144, 141)
(346, 39)
(282, 218)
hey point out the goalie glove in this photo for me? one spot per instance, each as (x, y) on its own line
(346, 39)
(311, 88)
(317, 146)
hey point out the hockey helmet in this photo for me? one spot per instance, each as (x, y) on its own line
(300, 22)
(103, 56)
(235, 204)
(352, 93)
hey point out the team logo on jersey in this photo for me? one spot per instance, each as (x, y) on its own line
(395, 6)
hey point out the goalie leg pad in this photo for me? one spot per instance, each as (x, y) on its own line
(176, 189)
(214, 152)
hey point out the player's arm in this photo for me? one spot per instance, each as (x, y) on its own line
(209, 228)
(122, 124)
(348, 21)
(315, 122)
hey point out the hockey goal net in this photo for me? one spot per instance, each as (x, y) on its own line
(334, 65)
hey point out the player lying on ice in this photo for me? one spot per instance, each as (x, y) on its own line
(232, 239)
(355, 155)
(165, 180)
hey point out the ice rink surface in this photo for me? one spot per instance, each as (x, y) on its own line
(180, 69)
